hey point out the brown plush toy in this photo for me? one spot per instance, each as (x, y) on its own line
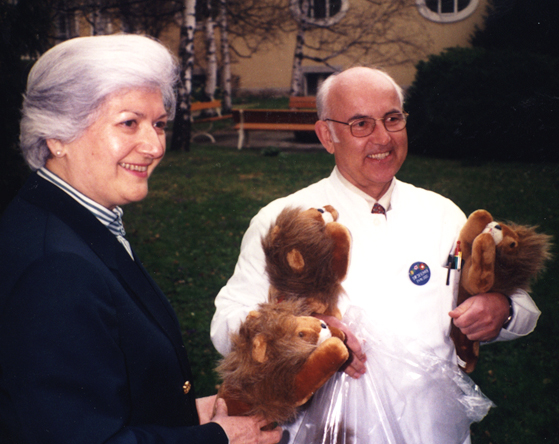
(496, 258)
(307, 257)
(279, 358)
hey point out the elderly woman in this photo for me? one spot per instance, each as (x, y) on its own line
(90, 349)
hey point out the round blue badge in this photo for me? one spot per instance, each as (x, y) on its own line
(419, 273)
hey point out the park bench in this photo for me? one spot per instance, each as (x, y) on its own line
(302, 102)
(198, 108)
(296, 120)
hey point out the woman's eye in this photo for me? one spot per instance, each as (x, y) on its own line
(129, 123)
(161, 125)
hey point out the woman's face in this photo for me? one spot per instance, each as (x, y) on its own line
(113, 159)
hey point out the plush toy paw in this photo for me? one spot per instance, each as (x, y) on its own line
(321, 365)
(478, 276)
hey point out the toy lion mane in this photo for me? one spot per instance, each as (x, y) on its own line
(307, 258)
(268, 386)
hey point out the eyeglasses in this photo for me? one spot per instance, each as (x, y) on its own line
(365, 126)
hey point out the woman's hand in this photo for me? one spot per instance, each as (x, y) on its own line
(206, 407)
(244, 429)
(355, 366)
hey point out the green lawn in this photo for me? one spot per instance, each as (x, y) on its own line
(188, 232)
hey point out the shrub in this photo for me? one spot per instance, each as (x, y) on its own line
(479, 104)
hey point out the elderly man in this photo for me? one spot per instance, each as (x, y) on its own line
(395, 227)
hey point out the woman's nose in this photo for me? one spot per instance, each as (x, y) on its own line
(152, 142)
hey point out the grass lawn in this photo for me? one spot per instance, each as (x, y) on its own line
(188, 232)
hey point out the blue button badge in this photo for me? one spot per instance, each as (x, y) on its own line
(420, 273)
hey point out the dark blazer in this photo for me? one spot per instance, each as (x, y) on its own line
(90, 349)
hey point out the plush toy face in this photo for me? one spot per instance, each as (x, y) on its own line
(506, 240)
(278, 360)
(307, 256)
(301, 331)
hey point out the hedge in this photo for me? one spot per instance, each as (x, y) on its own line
(477, 104)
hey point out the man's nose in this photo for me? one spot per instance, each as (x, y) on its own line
(380, 135)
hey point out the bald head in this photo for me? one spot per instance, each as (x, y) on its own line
(349, 80)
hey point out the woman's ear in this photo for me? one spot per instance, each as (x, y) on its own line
(324, 134)
(56, 147)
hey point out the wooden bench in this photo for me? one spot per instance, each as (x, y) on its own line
(302, 102)
(198, 107)
(247, 120)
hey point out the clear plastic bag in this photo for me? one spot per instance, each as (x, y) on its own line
(408, 396)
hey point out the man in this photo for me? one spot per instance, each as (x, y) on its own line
(395, 228)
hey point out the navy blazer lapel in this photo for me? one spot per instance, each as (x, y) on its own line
(131, 274)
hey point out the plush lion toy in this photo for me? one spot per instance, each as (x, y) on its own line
(307, 257)
(496, 258)
(279, 358)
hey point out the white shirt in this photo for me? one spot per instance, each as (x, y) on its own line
(397, 272)
(420, 227)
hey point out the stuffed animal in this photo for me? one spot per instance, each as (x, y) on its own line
(279, 358)
(496, 258)
(307, 257)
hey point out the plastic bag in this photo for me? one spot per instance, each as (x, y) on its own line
(407, 396)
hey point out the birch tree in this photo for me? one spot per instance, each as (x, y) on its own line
(182, 124)
(226, 104)
(211, 52)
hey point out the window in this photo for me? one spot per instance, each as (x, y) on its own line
(321, 13)
(320, 9)
(314, 75)
(446, 11)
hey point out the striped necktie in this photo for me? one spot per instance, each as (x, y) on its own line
(378, 209)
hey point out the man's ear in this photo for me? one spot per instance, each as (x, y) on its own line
(56, 147)
(324, 134)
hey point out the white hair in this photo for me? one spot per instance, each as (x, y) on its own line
(322, 96)
(69, 83)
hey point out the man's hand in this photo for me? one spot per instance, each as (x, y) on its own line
(355, 366)
(482, 316)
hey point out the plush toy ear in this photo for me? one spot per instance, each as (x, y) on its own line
(295, 260)
(274, 233)
(259, 348)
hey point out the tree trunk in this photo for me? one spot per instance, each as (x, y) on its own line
(182, 124)
(226, 104)
(211, 56)
(297, 72)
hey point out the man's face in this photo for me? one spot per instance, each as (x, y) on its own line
(368, 162)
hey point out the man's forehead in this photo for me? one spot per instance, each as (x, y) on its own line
(354, 76)
(361, 98)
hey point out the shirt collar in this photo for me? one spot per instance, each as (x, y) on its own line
(112, 219)
(384, 200)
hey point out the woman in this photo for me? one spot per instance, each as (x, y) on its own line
(90, 349)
